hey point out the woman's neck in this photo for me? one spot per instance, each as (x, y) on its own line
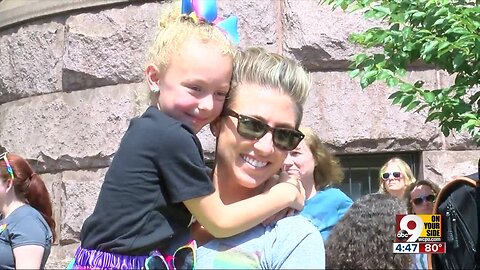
(397, 193)
(11, 206)
(309, 186)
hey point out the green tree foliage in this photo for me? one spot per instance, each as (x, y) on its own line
(442, 33)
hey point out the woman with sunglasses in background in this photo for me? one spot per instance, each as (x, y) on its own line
(420, 198)
(27, 227)
(258, 127)
(395, 176)
(319, 172)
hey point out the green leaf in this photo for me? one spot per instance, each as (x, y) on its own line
(412, 105)
(471, 123)
(432, 116)
(439, 21)
(445, 130)
(381, 9)
(419, 15)
(430, 46)
(428, 96)
(458, 61)
(407, 100)
(395, 95)
(354, 73)
(419, 84)
(441, 11)
(470, 116)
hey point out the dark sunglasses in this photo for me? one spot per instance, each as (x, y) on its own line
(7, 164)
(386, 175)
(183, 258)
(254, 129)
(420, 200)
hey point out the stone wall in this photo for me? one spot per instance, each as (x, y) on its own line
(70, 83)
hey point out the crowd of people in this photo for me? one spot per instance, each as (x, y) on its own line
(160, 207)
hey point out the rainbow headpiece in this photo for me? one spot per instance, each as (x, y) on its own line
(206, 10)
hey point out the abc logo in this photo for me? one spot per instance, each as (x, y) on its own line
(411, 226)
(402, 235)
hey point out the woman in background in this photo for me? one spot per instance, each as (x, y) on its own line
(420, 198)
(319, 172)
(395, 175)
(27, 228)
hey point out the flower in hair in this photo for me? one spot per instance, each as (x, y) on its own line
(206, 10)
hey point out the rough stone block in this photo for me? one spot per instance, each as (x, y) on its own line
(108, 47)
(52, 182)
(441, 166)
(60, 256)
(257, 21)
(208, 141)
(318, 36)
(65, 131)
(353, 121)
(80, 193)
(31, 60)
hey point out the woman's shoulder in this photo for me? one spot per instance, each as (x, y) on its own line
(300, 223)
(25, 214)
(332, 193)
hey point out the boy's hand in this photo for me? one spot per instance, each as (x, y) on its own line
(288, 185)
(299, 201)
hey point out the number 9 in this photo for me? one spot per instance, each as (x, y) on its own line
(415, 233)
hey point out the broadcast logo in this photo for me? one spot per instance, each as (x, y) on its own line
(418, 234)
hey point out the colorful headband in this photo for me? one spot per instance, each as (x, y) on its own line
(207, 10)
(7, 164)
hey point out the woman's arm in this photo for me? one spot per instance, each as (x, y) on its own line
(28, 257)
(226, 220)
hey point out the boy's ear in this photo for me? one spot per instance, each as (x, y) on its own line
(215, 126)
(152, 76)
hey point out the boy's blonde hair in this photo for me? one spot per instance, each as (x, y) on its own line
(174, 29)
(257, 66)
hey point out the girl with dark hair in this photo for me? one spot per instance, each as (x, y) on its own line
(27, 228)
(362, 239)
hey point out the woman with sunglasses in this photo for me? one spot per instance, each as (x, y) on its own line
(420, 198)
(258, 127)
(27, 228)
(319, 172)
(395, 175)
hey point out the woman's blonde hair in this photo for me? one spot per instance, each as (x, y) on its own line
(174, 29)
(404, 169)
(328, 170)
(257, 66)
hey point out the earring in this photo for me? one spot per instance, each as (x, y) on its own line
(155, 89)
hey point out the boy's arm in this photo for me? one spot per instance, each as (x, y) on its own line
(226, 220)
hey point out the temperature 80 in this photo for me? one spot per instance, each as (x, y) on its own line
(432, 247)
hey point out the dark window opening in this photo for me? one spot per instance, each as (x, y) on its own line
(361, 171)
